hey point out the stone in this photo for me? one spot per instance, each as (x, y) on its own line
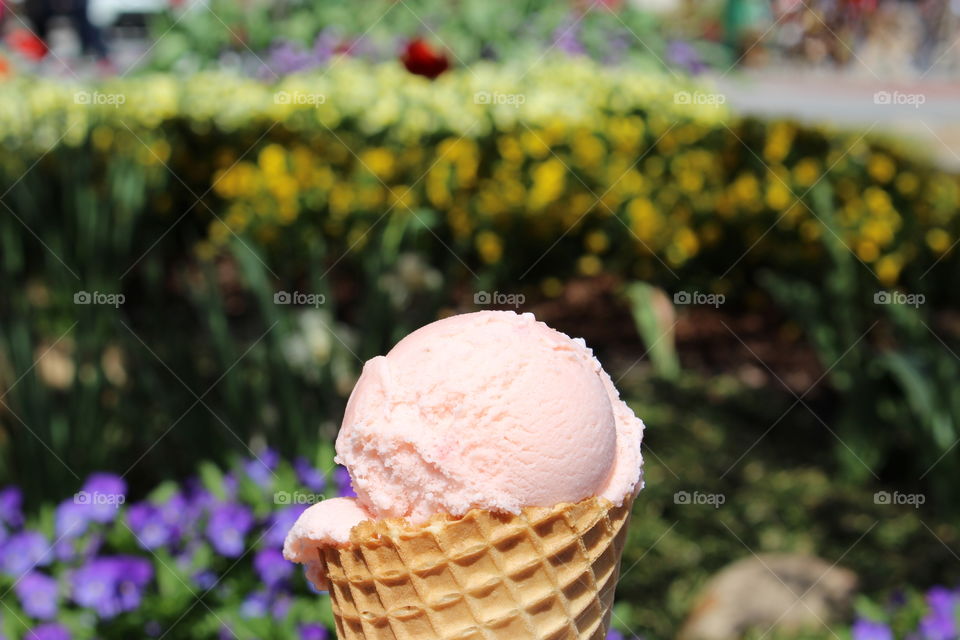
(777, 592)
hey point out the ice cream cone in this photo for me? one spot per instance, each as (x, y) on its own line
(545, 573)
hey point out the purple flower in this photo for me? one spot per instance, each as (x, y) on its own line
(281, 606)
(230, 485)
(271, 566)
(325, 45)
(864, 629)
(287, 57)
(227, 526)
(206, 580)
(937, 627)
(38, 595)
(111, 585)
(260, 467)
(181, 511)
(942, 601)
(255, 605)
(48, 631)
(313, 632)
(684, 55)
(280, 523)
(11, 502)
(71, 519)
(149, 526)
(341, 477)
(566, 38)
(103, 493)
(23, 551)
(308, 475)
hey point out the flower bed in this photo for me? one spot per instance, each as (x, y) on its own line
(198, 559)
(388, 197)
(615, 170)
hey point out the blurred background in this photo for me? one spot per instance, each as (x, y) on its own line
(213, 212)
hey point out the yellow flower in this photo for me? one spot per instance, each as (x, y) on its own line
(881, 167)
(811, 230)
(489, 246)
(687, 242)
(273, 159)
(534, 144)
(341, 199)
(907, 183)
(644, 220)
(549, 180)
(807, 172)
(510, 149)
(631, 182)
(588, 151)
(589, 265)
(867, 250)
(357, 237)
(778, 195)
(625, 133)
(878, 232)
(283, 187)
(938, 240)
(888, 269)
(596, 242)
(690, 180)
(746, 187)
(102, 137)
(287, 212)
(653, 166)
(437, 190)
(551, 287)
(779, 140)
(878, 200)
(379, 161)
(460, 222)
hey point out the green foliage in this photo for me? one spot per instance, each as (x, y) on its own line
(888, 357)
(782, 495)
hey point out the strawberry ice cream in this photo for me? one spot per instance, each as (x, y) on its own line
(489, 410)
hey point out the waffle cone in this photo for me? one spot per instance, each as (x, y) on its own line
(545, 573)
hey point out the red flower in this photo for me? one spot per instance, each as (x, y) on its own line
(420, 58)
(27, 44)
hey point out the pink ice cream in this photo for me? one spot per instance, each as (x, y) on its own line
(490, 410)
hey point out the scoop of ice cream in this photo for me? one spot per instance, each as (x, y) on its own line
(491, 410)
(325, 524)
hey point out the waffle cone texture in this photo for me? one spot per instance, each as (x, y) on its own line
(543, 574)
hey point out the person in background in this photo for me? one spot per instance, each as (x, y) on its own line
(90, 37)
(41, 12)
